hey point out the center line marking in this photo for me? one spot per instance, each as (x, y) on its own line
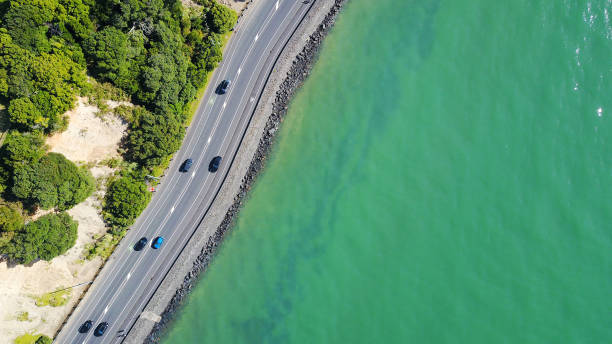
(172, 210)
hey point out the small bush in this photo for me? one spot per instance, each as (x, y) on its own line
(23, 316)
(125, 199)
(54, 299)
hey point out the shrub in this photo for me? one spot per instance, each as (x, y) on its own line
(11, 218)
(45, 238)
(43, 340)
(22, 149)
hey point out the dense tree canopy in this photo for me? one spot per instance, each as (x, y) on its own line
(53, 181)
(45, 238)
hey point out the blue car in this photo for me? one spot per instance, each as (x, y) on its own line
(157, 242)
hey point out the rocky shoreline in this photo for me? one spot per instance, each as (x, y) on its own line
(299, 71)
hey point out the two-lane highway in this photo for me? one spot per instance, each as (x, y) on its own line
(130, 278)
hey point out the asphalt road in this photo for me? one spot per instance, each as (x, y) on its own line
(130, 278)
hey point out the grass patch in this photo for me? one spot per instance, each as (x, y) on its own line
(54, 299)
(27, 338)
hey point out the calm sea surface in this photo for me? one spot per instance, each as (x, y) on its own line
(444, 176)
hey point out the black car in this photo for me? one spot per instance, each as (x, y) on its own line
(214, 164)
(140, 244)
(186, 165)
(85, 327)
(223, 86)
(100, 329)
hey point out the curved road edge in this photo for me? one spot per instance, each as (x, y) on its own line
(280, 86)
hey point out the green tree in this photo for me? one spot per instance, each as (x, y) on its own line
(11, 218)
(125, 199)
(219, 18)
(153, 138)
(46, 238)
(52, 182)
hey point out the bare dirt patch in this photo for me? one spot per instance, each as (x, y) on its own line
(89, 140)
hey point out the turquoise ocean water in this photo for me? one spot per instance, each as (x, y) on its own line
(444, 176)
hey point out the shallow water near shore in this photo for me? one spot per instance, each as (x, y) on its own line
(442, 177)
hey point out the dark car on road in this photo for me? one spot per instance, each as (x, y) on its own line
(140, 244)
(157, 242)
(100, 329)
(214, 164)
(223, 87)
(186, 165)
(85, 327)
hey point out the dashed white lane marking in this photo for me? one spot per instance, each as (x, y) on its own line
(172, 210)
(239, 70)
(256, 37)
(224, 104)
(105, 309)
(211, 101)
(276, 5)
(192, 174)
(209, 138)
(128, 276)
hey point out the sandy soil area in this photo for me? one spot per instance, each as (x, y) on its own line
(88, 139)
